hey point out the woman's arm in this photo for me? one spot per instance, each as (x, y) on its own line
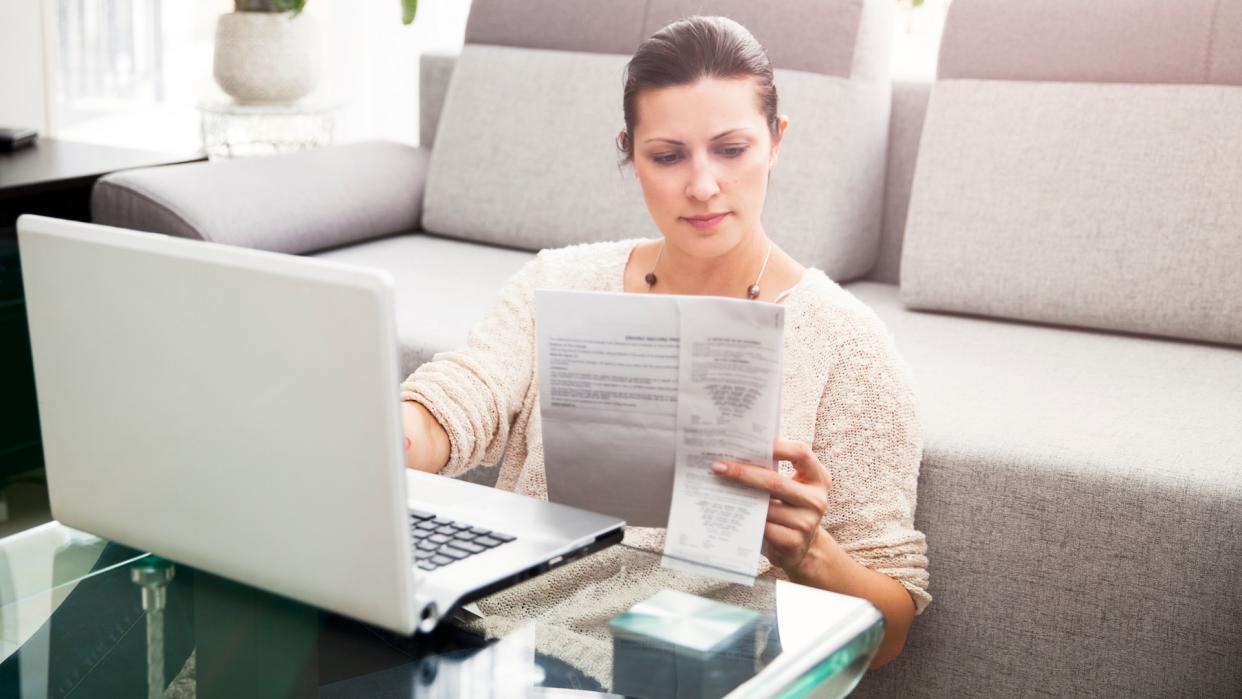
(458, 409)
(426, 442)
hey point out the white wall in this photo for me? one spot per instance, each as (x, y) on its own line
(22, 65)
(370, 61)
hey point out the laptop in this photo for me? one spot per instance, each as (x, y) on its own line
(238, 411)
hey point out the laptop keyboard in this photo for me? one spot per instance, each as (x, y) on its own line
(439, 541)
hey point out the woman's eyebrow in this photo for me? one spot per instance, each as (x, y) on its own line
(717, 137)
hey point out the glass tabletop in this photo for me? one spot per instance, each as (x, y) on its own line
(82, 616)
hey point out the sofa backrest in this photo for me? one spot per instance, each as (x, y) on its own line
(524, 147)
(1081, 164)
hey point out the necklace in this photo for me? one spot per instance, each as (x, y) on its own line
(752, 291)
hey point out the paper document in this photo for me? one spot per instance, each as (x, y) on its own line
(640, 393)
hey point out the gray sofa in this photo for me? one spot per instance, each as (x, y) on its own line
(1051, 230)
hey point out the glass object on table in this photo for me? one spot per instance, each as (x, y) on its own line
(802, 640)
(232, 130)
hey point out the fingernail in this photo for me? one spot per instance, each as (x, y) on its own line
(719, 467)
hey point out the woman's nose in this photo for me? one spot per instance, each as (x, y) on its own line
(703, 184)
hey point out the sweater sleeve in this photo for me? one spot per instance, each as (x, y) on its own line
(868, 435)
(476, 392)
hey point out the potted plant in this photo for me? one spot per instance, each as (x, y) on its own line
(267, 51)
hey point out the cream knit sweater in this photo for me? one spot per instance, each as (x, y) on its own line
(845, 392)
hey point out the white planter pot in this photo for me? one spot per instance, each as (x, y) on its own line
(266, 57)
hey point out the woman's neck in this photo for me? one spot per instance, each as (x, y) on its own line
(729, 274)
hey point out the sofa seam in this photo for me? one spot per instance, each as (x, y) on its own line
(1207, 57)
(151, 199)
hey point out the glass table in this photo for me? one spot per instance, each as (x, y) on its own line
(85, 617)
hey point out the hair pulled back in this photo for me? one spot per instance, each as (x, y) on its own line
(687, 51)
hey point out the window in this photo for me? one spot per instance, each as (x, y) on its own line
(916, 38)
(132, 72)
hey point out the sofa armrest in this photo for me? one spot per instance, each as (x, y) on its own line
(295, 203)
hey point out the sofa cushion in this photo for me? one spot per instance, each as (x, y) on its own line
(1078, 165)
(442, 287)
(543, 172)
(295, 203)
(596, 26)
(1120, 41)
(1081, 493)
(532, 173)
(1105, 206)
(818, 36)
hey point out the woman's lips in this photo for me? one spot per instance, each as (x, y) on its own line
(705, 223)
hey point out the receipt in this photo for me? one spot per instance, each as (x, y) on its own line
(729, 397)
(640, 393)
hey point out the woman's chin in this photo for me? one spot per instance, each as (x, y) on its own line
(706, 244)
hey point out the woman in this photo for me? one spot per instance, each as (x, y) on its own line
(702, 133)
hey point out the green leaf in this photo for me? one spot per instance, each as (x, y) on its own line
(409, 8)
(291, 6)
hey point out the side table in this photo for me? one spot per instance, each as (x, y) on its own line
(54, 177)
(232, 130)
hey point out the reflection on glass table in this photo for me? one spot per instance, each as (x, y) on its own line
(85, 617)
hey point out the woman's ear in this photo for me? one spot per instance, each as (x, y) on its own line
(781, 123)
(624, 146)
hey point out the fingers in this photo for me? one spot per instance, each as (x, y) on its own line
(783, 539)
(800, 519)
(775, 483)
(804, 461)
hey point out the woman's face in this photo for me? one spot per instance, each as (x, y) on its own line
(702, 154)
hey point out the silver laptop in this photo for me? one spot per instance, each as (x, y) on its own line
(238, 411)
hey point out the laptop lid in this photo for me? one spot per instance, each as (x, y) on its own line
(232, 409)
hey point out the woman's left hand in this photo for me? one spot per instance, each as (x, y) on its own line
(797, 504)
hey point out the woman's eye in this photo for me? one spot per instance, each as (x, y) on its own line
(670, 158)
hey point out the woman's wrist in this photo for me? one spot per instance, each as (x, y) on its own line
(821, 564)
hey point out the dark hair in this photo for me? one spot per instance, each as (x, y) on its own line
(689, 50)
